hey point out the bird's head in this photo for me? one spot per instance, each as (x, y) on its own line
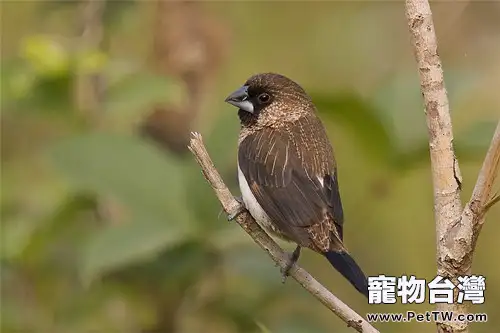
(270, 99)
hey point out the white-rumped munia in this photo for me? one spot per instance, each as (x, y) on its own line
(287, 172)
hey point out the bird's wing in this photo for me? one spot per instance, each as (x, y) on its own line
(301, 198)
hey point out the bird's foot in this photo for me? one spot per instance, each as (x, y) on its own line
(240, 209)
(292, 259)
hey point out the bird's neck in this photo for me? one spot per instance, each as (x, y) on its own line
(247, 119)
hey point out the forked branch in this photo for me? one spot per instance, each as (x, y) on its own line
(456, 229)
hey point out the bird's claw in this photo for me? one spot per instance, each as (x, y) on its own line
(240, 209)
(285, 271)
(291, 260)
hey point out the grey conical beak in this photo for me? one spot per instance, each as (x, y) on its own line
(239, 98)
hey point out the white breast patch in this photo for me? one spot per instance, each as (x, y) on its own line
(252, 204)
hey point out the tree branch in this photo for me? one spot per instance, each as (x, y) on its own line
(481, 196)
(260, 237)
(456, 230)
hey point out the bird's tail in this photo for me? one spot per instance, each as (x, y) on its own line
(346, 265)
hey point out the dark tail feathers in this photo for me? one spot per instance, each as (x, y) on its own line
(346, 265)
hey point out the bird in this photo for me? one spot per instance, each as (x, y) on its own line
(287, 172)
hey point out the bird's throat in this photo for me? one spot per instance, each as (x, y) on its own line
(247, 118)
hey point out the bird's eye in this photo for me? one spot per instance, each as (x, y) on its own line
(264, 98)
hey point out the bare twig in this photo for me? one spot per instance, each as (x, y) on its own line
(492, 202)
(480, 201)
(260, 237)
(456, 230)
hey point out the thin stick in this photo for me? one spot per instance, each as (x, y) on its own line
(260, 237)
(480, 200)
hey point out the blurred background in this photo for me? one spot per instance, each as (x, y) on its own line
(107, 222)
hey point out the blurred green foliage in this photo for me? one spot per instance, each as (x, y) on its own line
(104, 231)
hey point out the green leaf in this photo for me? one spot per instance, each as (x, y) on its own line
(28, 91)
(48, 57)
(122, 245)
(50, 95)
(139, 175)
(362, 118)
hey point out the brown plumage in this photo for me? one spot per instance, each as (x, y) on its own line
(287, 170)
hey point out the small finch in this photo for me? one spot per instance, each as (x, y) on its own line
(287, 172)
